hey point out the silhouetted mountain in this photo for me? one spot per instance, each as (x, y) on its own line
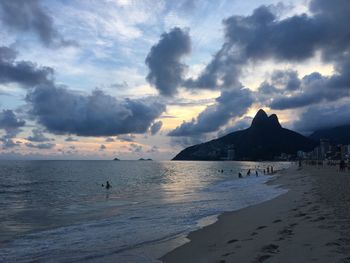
(263, 140)
(337, 135)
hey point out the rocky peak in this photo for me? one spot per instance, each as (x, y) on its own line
(261, 119)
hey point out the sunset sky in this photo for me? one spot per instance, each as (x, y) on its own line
(129, 79)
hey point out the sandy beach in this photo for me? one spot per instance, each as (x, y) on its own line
(310, 223)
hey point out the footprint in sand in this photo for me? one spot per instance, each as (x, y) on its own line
(262, 258)
(227, 254)
(277, 221)
(321, 218)
(300, 214)
(271, 248)
(232, 241)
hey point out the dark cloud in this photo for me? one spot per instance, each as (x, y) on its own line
(263, 35)
(126, 138)
(25, 73)
(38, 136)
(286, 79)
(71, 139)
(155, 128)
(229, 105)
(154, 149)
(315, 89)
(8, 143)
(103, 147)
(9, 121)
(164, 61)
(61, 111)
(323, 116)
(42, 146)
(30, 16)
(135, 148)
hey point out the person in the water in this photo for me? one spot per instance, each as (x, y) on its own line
(108, 185)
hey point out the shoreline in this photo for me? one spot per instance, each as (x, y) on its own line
(302, 220)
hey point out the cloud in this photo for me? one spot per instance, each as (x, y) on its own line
(62, 111)
(263, 35)
(164, 61)
(8, 143)
(71, 139)
(102, 147)
(41, 146)
(323, 116)
(155, 128)
(286, 79)
(126, 138)
(9, 121)
(38, 136)
(11, 125)
(154, 149)
(30, 16)
(315, 88)
(229, 105)
(135, 148)
(25, 73)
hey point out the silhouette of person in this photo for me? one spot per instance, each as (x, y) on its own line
(248, 173)
(272, 169)
(240, 175)
(256, 173)
(108, 185)
(268, 169)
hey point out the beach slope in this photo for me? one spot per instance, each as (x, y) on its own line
(310, 223)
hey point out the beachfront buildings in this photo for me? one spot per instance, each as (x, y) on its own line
(326, 151)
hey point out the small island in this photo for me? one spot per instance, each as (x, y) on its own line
(148, 159)
(116, 159)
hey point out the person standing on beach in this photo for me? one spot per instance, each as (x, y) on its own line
(268, 169)
(256, 173)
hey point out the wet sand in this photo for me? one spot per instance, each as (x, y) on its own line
(310, 223)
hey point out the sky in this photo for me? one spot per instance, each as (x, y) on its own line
(99, 79)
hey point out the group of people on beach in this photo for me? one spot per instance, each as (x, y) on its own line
(268, 170)
(342, 165)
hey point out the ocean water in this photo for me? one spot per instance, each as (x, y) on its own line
(57, 211)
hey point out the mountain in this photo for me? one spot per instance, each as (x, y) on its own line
(337, 135)
(263, 140)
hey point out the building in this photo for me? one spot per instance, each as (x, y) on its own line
(324, 148)
(231, 153)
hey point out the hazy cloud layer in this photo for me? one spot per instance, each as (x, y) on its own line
(41, 146)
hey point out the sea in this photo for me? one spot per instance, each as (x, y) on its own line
(58, 211)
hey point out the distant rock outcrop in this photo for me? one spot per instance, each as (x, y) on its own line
(263, 140)
(336, 135)
(116, 159)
